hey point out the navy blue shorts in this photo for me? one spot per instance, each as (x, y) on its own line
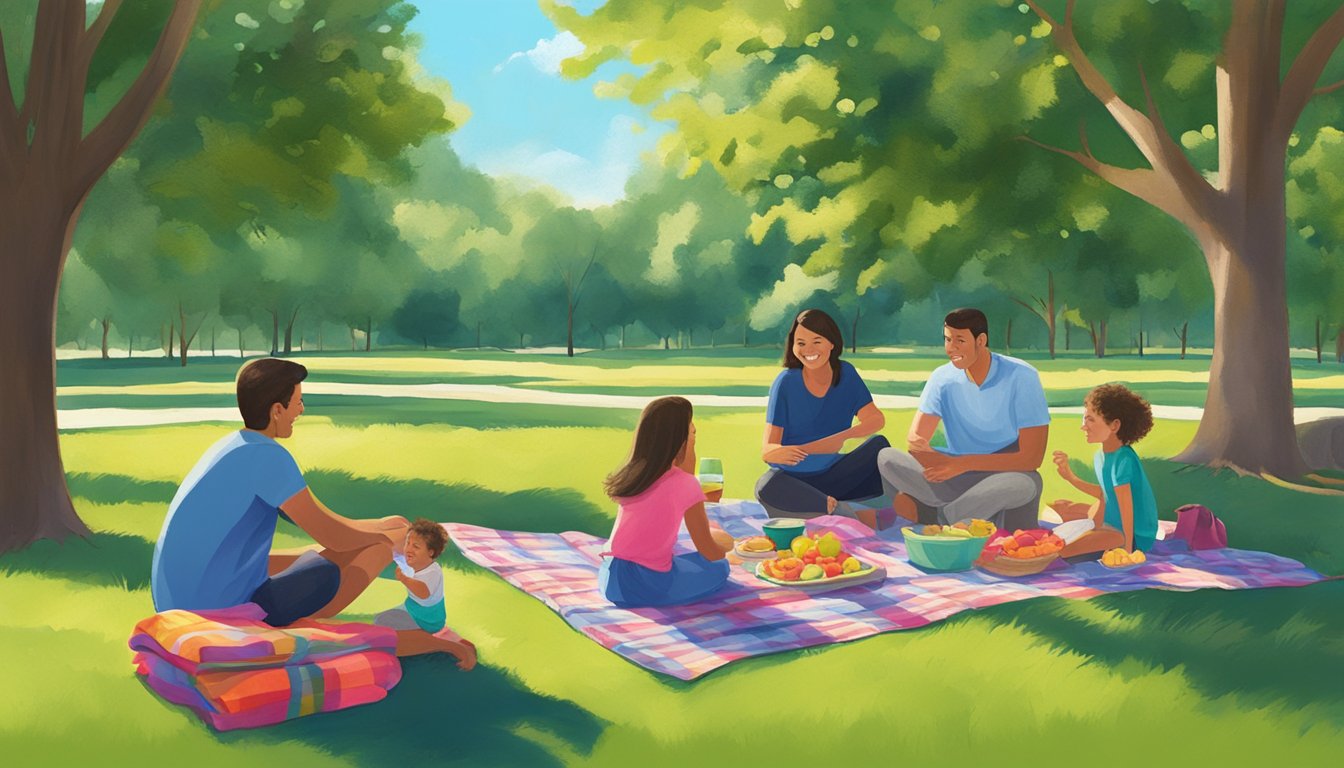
(299, 591)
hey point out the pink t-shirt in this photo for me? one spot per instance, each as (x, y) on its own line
(647, 524)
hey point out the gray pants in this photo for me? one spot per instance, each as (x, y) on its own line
(1009, 499)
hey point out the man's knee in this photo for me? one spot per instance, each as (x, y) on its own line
(897, 464)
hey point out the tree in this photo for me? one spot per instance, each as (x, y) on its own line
(428, 316)
(48, 164)
(1238, 218)
(566, 241)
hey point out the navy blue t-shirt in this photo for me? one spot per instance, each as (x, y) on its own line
(806, 417)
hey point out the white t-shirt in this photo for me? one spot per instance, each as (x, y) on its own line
(431, 576)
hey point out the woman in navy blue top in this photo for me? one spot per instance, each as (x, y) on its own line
(813, 404)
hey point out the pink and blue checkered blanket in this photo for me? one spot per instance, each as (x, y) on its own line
(750, 617)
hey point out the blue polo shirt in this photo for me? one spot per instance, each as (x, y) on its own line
(984, 419)
(216, 541)
(805, 417)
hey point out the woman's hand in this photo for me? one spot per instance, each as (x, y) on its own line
(788, 455)
(1061, 460)
(831, 444)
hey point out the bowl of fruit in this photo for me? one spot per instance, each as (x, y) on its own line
(1119, 560)
(1022, 553)
(817, 564)
(947, 547)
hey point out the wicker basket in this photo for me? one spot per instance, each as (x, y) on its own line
(1018, 566)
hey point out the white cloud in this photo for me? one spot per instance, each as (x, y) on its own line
(787, 296)
(546, 55)
(589, 182)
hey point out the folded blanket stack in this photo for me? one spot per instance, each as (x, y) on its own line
(235, 671)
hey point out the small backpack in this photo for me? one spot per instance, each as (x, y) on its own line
(1199, 527)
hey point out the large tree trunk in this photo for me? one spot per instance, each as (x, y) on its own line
(368, 334)
(183, 338)
(107, 322)
(35, 237)
(1339, 344)
(241, 354)
(1248, 412)
(1318, 341)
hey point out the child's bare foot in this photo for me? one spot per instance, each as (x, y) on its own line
(466, 655)
(830, 505)
(1070, 510)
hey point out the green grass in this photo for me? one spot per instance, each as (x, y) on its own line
(1210, 677)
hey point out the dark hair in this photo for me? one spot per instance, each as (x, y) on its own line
(264, 382)
(663, 429)
(821, 324)
(968, 319)
(433, 534)
(1116, 401)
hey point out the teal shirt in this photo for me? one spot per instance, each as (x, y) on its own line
(1123, 468)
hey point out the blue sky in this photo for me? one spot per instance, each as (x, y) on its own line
(501, 58)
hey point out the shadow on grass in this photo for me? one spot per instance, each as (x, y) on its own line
(108, 559)
(119, 489)
(440, 715)
(1272, 647)
(544, 510)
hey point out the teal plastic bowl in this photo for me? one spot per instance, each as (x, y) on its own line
(940, 553)
(783, 530)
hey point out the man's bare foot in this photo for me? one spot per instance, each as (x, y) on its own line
(904, 506)
(866, 516)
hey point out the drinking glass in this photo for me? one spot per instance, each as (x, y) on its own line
(711, 479)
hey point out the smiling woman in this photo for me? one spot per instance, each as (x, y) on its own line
(813, 404)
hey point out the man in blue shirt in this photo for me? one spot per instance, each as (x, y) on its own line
(994, 415)
(215, 547)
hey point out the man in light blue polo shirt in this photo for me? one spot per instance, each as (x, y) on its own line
(994, 415)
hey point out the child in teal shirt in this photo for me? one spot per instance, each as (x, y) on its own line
(1125, 510)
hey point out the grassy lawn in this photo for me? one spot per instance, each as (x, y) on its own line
(1210, 677)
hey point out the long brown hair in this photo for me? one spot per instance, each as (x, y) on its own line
(663, 429)
(821, 324)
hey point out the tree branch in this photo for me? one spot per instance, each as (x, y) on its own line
(1299, 85)
(111, 137)
(1144, 183)
(584, 276)
(1328, 88)
(1148, 136)
(94, 34)
(1030, 308)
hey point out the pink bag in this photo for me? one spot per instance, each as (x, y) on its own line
(1199, 527)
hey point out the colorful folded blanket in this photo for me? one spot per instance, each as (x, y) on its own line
(235, 671)
(750, 617)
(248, 699)
(238, 638)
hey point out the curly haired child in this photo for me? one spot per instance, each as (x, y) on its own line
(1125, 510)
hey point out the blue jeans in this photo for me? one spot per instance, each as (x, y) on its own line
(853, 477)
(631, 585)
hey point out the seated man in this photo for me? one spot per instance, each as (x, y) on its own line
(994, 415)
(215, 547)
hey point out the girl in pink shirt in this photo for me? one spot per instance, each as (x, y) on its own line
(657, 491)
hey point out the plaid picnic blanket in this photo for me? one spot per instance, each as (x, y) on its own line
(248, 699)
(233, 638)
(235, 671)
(750, 617)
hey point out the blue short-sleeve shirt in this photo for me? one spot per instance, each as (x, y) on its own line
(986, 418)
(216, 541)
(804, 417)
